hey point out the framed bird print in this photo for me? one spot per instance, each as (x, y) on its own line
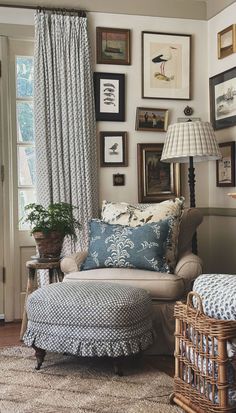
(113, 149)
(166, 65)
(109, 94)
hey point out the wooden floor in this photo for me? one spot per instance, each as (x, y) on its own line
(10, 332)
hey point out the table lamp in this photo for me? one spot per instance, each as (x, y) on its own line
(188, 141)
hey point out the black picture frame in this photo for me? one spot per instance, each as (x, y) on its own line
(223, 99)
(166, 66)
(118, 179)
(109, 94)
(225, 167)
(113, 149)
(157, 181)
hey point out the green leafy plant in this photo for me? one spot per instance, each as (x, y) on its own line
(56, 217)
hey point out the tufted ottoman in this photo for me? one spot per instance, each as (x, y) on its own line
(88, 319)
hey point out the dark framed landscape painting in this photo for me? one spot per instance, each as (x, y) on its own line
(157, 181)
(223, 99)
(109, 94)
(151, 119)
(113, 46)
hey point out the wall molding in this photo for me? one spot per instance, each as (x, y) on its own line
(218, 212)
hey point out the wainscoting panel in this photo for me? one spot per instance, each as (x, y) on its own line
(25, 255)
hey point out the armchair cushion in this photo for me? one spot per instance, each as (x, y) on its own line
(123, 246)
(139, 214)
(160, 286)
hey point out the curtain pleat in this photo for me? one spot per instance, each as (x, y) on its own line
(65, 125)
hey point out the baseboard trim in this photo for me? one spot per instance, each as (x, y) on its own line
(219, 212)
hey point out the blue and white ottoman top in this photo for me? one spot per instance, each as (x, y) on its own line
(89, 319)
(218, 293)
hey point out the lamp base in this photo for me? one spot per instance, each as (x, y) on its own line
(191, 181)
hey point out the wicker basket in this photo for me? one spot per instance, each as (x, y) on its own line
(202, 366)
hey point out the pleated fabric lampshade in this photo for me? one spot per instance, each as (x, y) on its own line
(195, 139)
(190, 142)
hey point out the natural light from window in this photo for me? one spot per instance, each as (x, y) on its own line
(25, 134)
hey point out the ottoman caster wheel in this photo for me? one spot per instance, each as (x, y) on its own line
(117, 368)
(171, 398)
(40, 355)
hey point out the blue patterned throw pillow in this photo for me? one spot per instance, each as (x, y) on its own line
(123, 246)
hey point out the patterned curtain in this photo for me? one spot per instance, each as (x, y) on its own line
(65, 126)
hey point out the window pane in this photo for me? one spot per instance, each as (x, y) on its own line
(26, 165)
(24, 77)
(25, 122)
(25, 197)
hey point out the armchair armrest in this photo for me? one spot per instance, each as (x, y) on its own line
(72, 263)
(189, 267)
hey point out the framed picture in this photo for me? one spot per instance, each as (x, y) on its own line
(149, 119)
(223, 99)
(113, 149)
(165, 65)
(113, 46)
(109, 92)
(226, 41)
(118, 179)
(157, 181)
(225, 167)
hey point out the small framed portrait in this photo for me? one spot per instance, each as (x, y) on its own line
(225, 167)
(118, 179)
(166, 65)
(157, 181)
(113, 46)
(153, 120)
(226, 41)
(113, 149)
(223, 99)
(109, 93)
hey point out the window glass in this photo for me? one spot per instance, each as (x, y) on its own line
(26, 166)
(25, 122)
(24, 77)
(25, 197)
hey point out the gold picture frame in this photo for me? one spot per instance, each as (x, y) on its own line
(151, 119)
(226, 41)
(157, 181)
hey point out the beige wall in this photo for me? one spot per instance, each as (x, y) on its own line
(137, 24)
(222, 229)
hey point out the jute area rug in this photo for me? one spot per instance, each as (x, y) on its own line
(80, 385)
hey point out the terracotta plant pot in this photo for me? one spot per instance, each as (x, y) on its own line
(49, 245)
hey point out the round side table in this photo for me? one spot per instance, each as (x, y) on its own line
(55, 274)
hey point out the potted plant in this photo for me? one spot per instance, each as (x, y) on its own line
(50, 225)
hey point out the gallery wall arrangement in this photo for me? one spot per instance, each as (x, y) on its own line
(165, 74)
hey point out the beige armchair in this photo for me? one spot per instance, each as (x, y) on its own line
(164, 288)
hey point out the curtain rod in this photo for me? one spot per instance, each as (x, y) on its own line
(82, 13)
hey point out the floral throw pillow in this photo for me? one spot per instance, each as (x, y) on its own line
(123, 246)
(140, 214)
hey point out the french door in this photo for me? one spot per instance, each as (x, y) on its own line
(19, 165)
